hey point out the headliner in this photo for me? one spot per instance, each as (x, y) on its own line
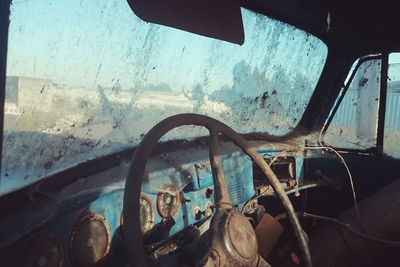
(360, 27)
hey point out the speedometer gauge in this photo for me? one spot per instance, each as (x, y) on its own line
(146, 214)
(168, 201)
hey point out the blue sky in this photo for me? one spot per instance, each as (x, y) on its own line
(89, 42)
(394, 58)
(65, 40)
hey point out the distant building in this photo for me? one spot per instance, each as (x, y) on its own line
(29, 94)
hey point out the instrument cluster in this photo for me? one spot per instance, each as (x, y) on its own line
(87, 216)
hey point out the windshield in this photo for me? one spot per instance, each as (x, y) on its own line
(89, 78)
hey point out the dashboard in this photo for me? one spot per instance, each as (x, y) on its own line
(80, 224)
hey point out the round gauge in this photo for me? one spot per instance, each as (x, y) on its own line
(90, 240)
(146, 214)
(44, 251)
(168, 201)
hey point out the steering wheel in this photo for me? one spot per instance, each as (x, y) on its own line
(232, 240)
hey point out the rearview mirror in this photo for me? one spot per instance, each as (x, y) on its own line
(220, 19)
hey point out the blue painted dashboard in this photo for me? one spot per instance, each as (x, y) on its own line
(102, 194)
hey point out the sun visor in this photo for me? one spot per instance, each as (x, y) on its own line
(219, 19)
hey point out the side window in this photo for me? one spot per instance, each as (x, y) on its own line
(391, 143)
(354, 125)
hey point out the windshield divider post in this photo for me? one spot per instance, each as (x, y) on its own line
(382, 103)
(4, 22)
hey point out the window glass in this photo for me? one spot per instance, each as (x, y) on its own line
(391, 145)
(354, 125)
(89, 78)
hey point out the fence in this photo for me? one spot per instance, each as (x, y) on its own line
(346, 114)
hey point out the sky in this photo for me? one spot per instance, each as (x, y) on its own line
(84, 43)
(394, 58)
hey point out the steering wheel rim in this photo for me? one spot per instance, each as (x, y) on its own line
(131, 207)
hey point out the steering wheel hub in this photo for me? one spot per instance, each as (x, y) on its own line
(242, 236)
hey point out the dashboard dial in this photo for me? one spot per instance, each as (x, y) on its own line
(146, 214)
(168, 201)
(90, 239)
(44, 251)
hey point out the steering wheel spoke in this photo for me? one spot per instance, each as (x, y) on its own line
(221, 195)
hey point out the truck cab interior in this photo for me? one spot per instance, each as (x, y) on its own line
(199, 133)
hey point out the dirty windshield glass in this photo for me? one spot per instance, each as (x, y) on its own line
(88, 78)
